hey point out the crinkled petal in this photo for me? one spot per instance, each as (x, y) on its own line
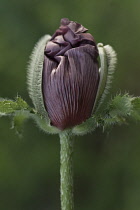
(69, 35)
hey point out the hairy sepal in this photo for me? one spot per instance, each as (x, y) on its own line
(34, 76)
(108, 60)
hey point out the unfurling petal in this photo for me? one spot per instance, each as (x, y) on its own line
(70, 75)
(70, 86)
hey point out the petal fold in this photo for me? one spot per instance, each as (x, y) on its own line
(70, 86)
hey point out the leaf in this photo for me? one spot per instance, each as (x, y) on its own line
(136, 108)
(121, 105)
(120, 110)
(8, 107)
(20, 111)
(18, 121)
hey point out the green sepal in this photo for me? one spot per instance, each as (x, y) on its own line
(86, 127)
(34, 76)
(108, 60)
(44, 124)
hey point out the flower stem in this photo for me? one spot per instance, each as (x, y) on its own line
(66, 171)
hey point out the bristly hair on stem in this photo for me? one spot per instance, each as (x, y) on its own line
(66, 170)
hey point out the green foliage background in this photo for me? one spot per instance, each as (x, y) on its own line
(106, 165)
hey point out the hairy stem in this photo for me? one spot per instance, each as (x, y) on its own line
(66, 171)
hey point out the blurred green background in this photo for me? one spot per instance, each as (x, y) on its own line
(106, 165)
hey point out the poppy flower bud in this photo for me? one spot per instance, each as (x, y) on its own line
(64, 76)
(70, 75)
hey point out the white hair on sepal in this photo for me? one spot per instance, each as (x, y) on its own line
(111, 59)
(111, 65)
(108, 60)
(34, 74)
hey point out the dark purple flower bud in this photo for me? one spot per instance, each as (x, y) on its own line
(70, 75)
